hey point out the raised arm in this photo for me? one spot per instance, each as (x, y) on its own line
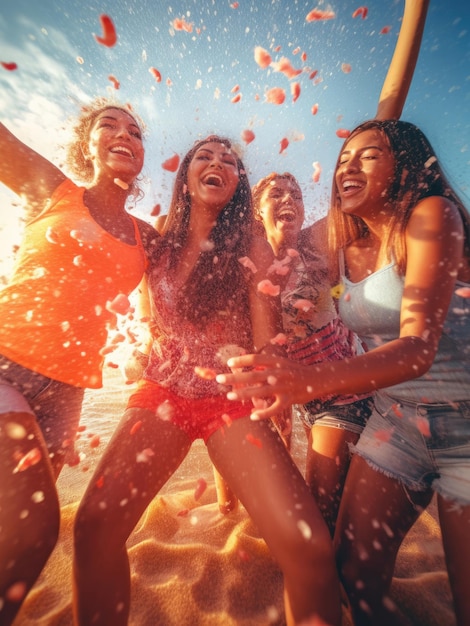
(25, 172)
(400, 72)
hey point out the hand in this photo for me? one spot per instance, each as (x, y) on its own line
(270, 376)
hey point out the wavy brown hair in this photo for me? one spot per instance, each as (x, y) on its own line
(217, 279)
(418, 175)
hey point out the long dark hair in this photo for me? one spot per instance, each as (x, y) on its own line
(216, 280)
(418, 175)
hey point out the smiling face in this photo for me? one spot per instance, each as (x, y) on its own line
(213, 176)
(281, 210)
(365, 171)
(115, 145)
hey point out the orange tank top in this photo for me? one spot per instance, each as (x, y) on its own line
(53, 310)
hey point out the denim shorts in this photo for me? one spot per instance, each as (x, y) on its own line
(56, 406)
(352, 416)
(424, 446)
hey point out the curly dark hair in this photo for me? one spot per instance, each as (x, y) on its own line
(418, 175)
(217, 278)
(80, 167)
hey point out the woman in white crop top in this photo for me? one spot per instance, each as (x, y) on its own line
(406, 283)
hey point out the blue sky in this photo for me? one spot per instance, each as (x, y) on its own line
(61, 65)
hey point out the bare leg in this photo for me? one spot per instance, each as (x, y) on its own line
(142, 455)
(375, 514)
(29, 509)
(327, 464)
(455, 527)
(256, 464)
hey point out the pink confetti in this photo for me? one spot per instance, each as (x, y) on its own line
(182, 24)
(295, 91)
(303, 56)
(346, 68)
(422, 424)
(262, 57)
(236, 98)
(384, 435)
(16, 592)
(285, 67)
(385, 30)
(95, 441)
(156, 74)
(303, 305)
(9, 66)
(201, 486)
(313, 74)
(342, 133)
(109, 38)
(120, 304)
(397, 410)
(317, 15)
(248, 263)
(235, 89)
(276, 95)
(205, 372)
(114, 80)
(171, 164)
(28, 460)
(283, 145)
(463, 292)
(362, 11)
(315, 109)
(316, 172)
(253, 440)
(247, 136)
(267, 288)
(136, 427)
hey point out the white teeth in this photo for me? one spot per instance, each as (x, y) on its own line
(122, 150)
(286, 215)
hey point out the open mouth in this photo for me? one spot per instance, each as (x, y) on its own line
(122, 150)
(213, 180)
(287, 216)
(350, 186)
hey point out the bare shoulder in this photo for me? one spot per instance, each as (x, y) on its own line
(150, 236)
(315, 237)
(437, 215)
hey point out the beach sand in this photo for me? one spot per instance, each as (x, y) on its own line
(193, 566)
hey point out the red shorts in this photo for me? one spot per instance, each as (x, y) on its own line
(197, 417)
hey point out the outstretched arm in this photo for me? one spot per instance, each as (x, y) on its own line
(400, 72)
(25, 172)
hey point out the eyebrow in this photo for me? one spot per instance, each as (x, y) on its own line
(227, 152)
(365, 148)
(110, 117)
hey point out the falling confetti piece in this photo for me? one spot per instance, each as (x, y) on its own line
(422, 424)
(183, 513)
(316, 171)
(205, 372)
(385, 30)
(80, 60)
(313, 74)
(315, 109)
(100, 482)
(28, 460)
(120, 304)
(201, 486)
(346, 68)
(316, 15)
(171, 164)
(227, 419)
(247, 262)
(156, 210)
(9, 66)
(463, 292)
(95, 441)
(253, 440)
(283, 145)
(182, 24)
(397, 410)
(16, 592)
(109, 32)
(295, 91)
(285, 67)
(362, 11)
(342, 133)
(303, 305)
(247, 136)
(280, 339)
(145, 455)
(262, 57)
(114, 80)
(234, 5)
(384, 435)
(236, 98)
(156, 74)
(266, 287)
(303, 56)
(235, 88)
(275, 95)
(121, 183)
